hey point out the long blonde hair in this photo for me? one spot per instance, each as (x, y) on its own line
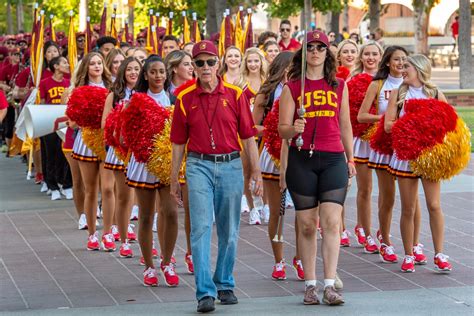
(82, 75)
(244, 71)
(223, 68)
(423, 67)
(359, 68)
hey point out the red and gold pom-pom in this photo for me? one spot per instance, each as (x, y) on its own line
(141, 121)
(357, 88)
(381, 142)
(343, 73)
(271, 137)
(425, 124)
(94, 139)
(85, 106)
(445, 160)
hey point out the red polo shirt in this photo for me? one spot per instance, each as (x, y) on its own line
(293, 46)
(232, 119)
(8, 72)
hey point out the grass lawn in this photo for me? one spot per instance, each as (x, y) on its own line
(467, 114)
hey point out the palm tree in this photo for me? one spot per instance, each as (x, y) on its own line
(466, 64)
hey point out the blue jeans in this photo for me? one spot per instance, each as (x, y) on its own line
(214, 187)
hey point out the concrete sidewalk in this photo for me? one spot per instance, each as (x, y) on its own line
(45, 269)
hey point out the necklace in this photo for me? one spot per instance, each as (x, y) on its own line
(209, 124)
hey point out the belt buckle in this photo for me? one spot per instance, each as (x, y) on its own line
(218, 159)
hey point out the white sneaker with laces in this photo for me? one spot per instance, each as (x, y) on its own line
(244, 206)
(266, 213)
(134, 214)
(44, 187)
(155, 222)
(82, 224)
(254, 218)
(55, 195)
(67, 193)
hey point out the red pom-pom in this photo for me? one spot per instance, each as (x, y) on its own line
(343, 73)
(381, 141)
(184, 86)
(425, 124)
(85, 106)
(141, 121)
(271, 138)
(357, 88)
(113, 125)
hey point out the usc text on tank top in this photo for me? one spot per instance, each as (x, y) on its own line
(322, 103)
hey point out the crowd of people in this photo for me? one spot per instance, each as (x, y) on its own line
(219, 106)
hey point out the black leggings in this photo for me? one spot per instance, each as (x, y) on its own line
(55, 167)
(317, 179)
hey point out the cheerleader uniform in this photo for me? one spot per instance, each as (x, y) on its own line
(377, 160)
(397, 167)
(267, 166)
(361, 150)
(250, 94)
(138, 175)
(79, 150)
(112, 162)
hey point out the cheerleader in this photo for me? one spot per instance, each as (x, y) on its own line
(274, 180)
(113, 61)
(388, 77)
(346, 57)
(180, 70)
(122, 88)
(416, 85)
(253, 73)
(369, 59)
(92, 72)
(230, 65)
(317, 175)
(270, 50)
(151, 81)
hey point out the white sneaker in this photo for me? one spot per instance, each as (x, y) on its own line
(82, 224)
(155, 222)
(244, 206)
(67, 193)
(266, 213)
(55, 195)
(134, 214)
(254, 218)
(44, 187)
(48, 192)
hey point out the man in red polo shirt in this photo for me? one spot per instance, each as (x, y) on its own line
(209, 118)
(287, 43)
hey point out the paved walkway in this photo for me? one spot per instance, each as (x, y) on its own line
(45, 269)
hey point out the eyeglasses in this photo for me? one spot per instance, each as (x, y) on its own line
(319, 47)
(210, 62)
(141, 41)
(285, 30)
(10, 43)
(80, 40)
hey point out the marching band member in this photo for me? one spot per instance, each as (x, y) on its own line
(317, 175)
(209, 118)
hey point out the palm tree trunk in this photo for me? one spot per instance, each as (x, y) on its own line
(421, 21)
(374, 14)
(466, 62)
(9, 18)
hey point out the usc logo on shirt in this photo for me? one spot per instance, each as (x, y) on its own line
(55, 94)
(319, 98)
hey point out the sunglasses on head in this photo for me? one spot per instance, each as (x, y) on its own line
(210, 62)
(319, 47)
(285, 30)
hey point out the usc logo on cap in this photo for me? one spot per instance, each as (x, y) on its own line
(316, 35)
(202, 46)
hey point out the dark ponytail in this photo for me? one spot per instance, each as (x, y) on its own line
(142, 83)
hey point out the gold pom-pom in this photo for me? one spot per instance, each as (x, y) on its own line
(159, 163)
(369, 132)
(125, 158)
(94, 139)
(445, 160)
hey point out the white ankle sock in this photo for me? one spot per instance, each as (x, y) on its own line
(309, 282)
(329, 282)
